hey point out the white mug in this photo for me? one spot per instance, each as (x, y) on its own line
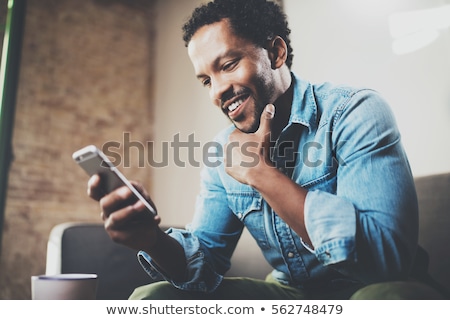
(69, 286)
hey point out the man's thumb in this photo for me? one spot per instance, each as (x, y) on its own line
(266, 117)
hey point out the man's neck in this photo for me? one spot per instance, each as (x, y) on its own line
(283, 106)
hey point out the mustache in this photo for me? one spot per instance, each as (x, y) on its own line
(231, 94)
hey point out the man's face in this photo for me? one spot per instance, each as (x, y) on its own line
(237, 73)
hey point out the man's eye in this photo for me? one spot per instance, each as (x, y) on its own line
(230, 65)
(206, 82)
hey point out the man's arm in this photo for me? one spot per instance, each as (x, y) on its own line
(282, 194)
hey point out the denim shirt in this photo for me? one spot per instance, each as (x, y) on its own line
(360, 211)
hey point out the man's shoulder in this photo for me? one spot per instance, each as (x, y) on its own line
(330, 89)
(331, 98)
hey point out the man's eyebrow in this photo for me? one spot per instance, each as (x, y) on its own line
(200, 76)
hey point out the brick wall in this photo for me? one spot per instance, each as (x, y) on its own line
(85, 78)
(3, 12)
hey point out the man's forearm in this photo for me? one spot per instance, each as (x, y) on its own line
(285, 197)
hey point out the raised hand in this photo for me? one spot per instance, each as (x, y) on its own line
(247, 154)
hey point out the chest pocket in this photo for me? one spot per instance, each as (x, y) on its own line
(243, 203)
(248, 208)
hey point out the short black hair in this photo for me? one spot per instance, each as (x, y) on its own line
(256, 20)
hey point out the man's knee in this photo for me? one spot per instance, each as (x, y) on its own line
(399, 290)
(161, 290)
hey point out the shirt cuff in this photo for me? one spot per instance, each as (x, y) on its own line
(200, 275)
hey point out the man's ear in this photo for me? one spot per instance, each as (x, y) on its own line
(278, 52)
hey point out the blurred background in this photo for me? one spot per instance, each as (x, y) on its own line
(99, 71)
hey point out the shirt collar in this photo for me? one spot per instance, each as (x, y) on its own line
(304, 108)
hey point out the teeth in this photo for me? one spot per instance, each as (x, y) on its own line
(234, 105)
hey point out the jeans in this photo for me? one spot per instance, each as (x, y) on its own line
(270, 289)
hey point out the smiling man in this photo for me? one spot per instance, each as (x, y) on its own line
(330, 199)
(241, 76)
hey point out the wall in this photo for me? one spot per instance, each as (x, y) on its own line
(182, 106)
(86, 78)
(348, 41)
(3, 12)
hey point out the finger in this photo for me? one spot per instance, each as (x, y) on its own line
(264, 130)
(137, 233)
(94, 189)
(129, 216)
(116, 200)
(266, 119)
(140, 188)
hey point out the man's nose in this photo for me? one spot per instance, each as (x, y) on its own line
(219, 88)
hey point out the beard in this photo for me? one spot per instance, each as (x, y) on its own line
(263, 96)
(256, 120)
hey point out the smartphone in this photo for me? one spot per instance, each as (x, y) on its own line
(94, 161)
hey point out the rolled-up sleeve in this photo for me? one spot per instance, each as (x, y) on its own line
(200, 274)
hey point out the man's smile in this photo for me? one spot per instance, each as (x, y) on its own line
(234, 107)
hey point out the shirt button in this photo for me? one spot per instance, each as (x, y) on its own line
(239, 215)
(290, 255)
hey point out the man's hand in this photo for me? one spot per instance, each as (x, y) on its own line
(128, 222)
(247, 154)
(126, 219)
(247, 159)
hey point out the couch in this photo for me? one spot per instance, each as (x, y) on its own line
(433, 194)
(80, 247)
(76, 247)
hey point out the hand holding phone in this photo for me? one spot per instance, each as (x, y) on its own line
(94, 161)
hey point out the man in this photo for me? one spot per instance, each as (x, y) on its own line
(316, 173)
